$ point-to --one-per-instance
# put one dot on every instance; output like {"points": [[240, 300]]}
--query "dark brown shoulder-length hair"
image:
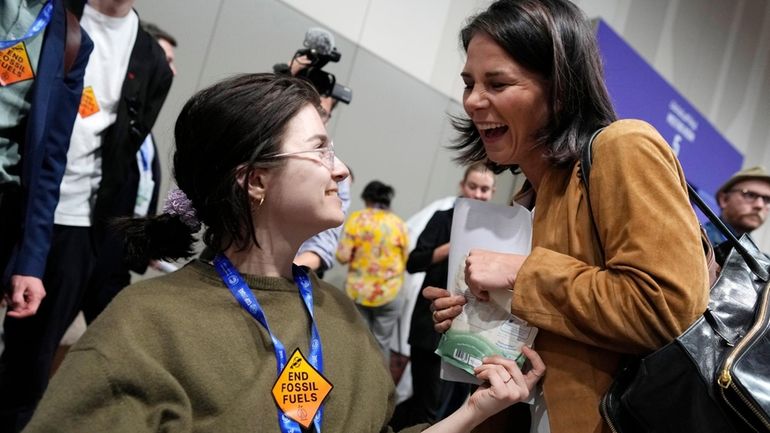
{"points": [[553, 39], [235, 125]]}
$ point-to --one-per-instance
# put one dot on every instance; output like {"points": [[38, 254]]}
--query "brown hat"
{"points": [[757, 172]]}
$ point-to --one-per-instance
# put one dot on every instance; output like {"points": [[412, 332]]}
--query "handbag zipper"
{"points": [[748, 404], [725, 380], [605, 415]]}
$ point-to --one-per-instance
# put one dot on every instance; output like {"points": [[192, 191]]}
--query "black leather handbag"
{"points": [[715, 377]]}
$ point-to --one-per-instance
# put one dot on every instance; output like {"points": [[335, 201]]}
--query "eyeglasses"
{"points": [[326, 155], [751, 196]]}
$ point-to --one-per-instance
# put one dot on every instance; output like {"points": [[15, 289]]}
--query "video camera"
{"points": [[319, 50]]}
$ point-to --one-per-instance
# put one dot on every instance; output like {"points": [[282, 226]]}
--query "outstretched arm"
{"points": [[504, 384]]}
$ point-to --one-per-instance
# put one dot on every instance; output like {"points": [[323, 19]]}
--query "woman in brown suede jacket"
{"points": [[534, 96]]}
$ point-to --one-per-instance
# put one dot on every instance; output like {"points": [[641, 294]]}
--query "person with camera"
{"points": [[317, 253]]}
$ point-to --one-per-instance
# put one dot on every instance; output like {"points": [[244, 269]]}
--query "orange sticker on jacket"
{"points": [[15, 65], [300, 390], [88, 103]]}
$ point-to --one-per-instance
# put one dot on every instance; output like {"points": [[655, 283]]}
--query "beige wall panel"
{"points": [[345, 17], [451, 57], [406, 33]]}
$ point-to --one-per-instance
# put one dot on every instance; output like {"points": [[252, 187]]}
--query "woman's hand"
{"points": [[504, 384], [487, 270], [445, 307]]}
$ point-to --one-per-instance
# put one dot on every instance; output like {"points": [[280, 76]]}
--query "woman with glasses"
{"points": [[245, 342]]}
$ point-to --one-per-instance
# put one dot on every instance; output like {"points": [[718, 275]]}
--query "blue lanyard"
{"points": [[238, 287], [42, 20], [143, 154]]}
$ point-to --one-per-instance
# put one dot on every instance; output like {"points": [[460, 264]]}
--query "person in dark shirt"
{"points": [[432, 397]]}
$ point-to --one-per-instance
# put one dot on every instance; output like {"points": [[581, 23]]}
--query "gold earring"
{"points": [[261, 200]]}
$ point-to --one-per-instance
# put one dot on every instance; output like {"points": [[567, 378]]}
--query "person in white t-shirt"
{"points": [[115, 275]]}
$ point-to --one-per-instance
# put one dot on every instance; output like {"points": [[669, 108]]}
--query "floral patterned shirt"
{"points": [[374, 245]]}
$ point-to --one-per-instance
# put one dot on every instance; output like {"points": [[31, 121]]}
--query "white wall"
{"points": [[716, 53]]}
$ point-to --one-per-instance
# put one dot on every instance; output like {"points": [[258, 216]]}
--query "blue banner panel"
{"points": [[638, 91]]}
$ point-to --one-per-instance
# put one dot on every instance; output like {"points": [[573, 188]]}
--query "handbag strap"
{"points": [[586, 160], [755, 267]]}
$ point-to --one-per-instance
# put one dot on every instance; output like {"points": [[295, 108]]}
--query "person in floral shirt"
{"points": [[374, 244]]}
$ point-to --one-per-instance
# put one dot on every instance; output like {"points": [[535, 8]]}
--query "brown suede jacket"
{"points": [[652, 285]]}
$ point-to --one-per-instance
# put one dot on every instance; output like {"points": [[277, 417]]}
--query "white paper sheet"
{"points": [[483, 327]]}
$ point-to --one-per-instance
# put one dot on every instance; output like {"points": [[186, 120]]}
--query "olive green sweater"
{"points": [[179, 354]]}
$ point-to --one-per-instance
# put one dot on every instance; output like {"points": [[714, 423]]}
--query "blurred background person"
{"points": [[743, 200], [317, 253], [433, 398], [113, 271], [399, 343], [165, 40], [373, 245], [148, 189]]}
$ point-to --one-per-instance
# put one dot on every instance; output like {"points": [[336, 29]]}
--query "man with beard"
{"points": [[744, 201]]}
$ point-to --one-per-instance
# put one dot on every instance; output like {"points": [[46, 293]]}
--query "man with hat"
{"points": [[744, 201]]}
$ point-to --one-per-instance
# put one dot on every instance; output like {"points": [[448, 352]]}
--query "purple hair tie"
{"points": [[178, 204]]}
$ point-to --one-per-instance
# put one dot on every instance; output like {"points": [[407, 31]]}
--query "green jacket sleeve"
{"points": [[85, 395]]}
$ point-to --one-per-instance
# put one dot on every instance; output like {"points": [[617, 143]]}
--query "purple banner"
{"points": [[638, 92]]}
